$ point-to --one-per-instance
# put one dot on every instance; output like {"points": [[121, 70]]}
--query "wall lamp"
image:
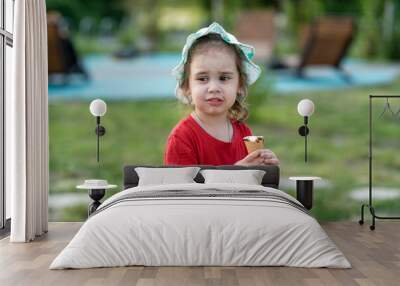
{"points": [[98, 108], [305, 109]]}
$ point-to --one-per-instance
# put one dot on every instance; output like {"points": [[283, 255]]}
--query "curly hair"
{"points": [[239, 110]]}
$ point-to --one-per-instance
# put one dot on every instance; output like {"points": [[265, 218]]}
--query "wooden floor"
{"points": [[374, 255]]}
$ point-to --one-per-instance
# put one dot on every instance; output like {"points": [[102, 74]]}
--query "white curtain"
{"points": [[27, 168]]}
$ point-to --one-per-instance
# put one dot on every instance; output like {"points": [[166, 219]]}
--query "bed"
{"points": [[201, 223]]}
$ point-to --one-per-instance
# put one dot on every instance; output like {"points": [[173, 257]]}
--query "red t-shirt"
{"points": [[189, 144]]}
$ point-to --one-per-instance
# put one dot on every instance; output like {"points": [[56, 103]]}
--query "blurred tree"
{"points": [[229, 9], [75, 10], [145, 15], [260, 4], [299, 13], [378, 22], [370, 28], [302, 12], [391, 29], [342, 7]]}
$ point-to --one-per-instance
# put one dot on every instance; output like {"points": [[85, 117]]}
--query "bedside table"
{"points": [[304, 190], [96, 190]]}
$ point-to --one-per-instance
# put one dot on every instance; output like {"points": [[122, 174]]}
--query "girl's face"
{"points": [[213, 81]]}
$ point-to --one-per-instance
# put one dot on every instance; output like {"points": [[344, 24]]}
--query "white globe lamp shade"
{"points": [[98, 107], [305, 107]]}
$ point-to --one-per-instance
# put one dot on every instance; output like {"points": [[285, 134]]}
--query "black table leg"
{"points": [[96, 195], [304, 192]]}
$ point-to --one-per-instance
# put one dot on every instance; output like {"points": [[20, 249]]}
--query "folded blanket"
{"points": [[205, 194]]}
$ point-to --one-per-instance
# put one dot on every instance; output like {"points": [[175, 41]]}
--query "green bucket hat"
{"points": [[251, 70]]}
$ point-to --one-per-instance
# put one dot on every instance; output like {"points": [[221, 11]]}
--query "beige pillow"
{"points": [[249, 177], [163, 176]]}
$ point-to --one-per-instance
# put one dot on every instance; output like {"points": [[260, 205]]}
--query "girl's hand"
{"points": [[259, 157]]}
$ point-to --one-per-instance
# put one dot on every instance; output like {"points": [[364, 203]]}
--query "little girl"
{"points": [[213, 77]]}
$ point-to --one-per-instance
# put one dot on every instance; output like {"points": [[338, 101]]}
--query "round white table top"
{"points": [[88, 187], [304, 178]]}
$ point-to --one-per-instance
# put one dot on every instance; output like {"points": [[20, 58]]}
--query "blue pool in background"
{"points": [[326, 78], [149, 76], [143, 77]]}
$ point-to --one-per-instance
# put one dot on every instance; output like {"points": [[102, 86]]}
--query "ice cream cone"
{"points": [[253, 143]]}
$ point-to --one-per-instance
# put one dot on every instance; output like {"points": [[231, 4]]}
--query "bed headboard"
{"points": [[270, 179]]}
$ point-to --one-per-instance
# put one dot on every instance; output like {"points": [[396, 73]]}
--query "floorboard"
{"points": [[374, 255]]}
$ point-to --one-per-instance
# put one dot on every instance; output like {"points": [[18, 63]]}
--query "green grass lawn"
{"points": [[338, 144]]}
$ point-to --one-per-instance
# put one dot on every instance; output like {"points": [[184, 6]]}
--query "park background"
{"points": [[137, 127]]}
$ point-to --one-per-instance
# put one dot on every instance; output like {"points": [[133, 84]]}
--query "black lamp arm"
{"points": [[100, 131], [304, 131]]}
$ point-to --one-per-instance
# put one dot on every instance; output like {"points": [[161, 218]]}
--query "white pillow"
{"points": [[249, 177], [163, 176]]}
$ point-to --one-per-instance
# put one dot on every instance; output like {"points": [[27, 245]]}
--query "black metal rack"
{"points": [[370, 203]]}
